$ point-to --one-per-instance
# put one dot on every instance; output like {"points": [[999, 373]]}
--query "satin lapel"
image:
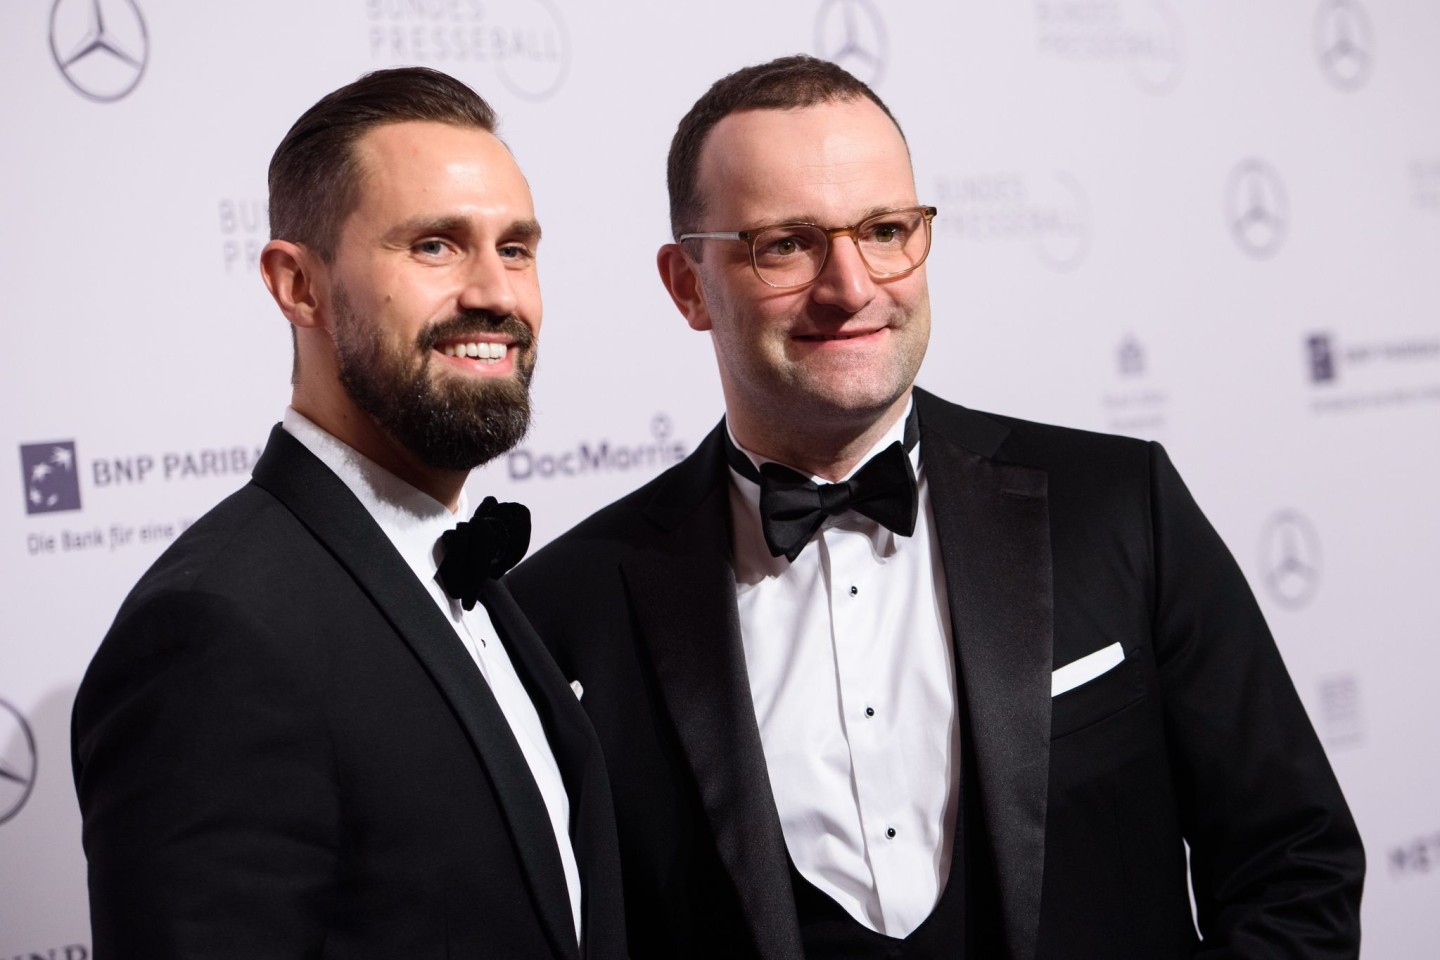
{"points": [[683, 596], [327, 508], [577, 750], [993, 525]]}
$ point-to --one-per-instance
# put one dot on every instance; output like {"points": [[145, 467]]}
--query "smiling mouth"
{"points": [[824, 337], [483, 350]]}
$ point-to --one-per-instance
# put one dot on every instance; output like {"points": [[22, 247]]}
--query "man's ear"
{"points": [[682, 280], [291, 274]]}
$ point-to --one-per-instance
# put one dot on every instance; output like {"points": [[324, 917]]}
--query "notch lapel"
{"points": [[992, 520], [323, 503], [683, 596]]}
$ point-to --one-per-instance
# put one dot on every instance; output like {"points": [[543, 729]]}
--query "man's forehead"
{"points": [[412, 141], [787, 157]]}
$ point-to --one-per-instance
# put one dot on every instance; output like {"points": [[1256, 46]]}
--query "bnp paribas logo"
{"points": [[51, 480]]}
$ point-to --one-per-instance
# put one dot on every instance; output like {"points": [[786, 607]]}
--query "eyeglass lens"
{"points": [[793, 254]]}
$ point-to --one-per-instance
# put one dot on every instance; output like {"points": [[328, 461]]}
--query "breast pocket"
{"points": [[1099, 692]]}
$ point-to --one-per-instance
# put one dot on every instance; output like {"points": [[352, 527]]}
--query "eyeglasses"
{"points": [[790, 255]]}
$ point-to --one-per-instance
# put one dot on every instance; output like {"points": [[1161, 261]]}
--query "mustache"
{"points": [[477, 321]]}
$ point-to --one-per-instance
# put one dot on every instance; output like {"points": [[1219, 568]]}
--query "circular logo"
{"points": [[536, 55], [1344, 43], [1290, 559], [1060, 220], [1255, 208], [851, 34], [1158, 41], [17, 761], [100, 46], [661, 427]]}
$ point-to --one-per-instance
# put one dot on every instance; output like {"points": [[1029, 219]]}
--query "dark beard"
{"points": [[448, 423]]}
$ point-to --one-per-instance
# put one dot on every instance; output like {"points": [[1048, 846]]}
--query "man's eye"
{"points": [[516, 251], [885, 233], [783, 245], [430, 248]]}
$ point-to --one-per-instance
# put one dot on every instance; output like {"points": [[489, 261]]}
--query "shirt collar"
{"points": [[412, 519], [896, 433]]}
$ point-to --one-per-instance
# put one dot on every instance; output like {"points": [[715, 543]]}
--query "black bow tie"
{"points": [[792, 506], [483, 548]]}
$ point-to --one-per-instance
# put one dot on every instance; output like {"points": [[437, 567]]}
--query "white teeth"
{"points": [[491, 352]]}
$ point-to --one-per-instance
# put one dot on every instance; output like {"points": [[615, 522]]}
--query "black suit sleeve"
{"points": [[206, 786], [1276, 860]]}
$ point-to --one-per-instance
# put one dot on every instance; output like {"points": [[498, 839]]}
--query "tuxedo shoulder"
{"points": [[246, 562], [1031, 443]]}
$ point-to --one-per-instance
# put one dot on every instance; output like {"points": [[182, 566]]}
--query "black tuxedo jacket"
{"points": [[282, 750], [1056, 543]]}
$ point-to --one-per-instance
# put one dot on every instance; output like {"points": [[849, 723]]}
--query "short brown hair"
{"points": [[314, 177], [784, 84]]}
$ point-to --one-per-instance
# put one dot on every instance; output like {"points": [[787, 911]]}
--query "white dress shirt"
{"points": [[414, 521], [852, 674]]}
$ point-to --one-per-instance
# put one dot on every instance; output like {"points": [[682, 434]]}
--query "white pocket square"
{"points": [[579, 690], [1085, 669]]}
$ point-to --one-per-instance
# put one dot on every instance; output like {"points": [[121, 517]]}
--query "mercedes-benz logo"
{"points": [[1255, 208], [851, 33], [1344, 43], [537, 59], [1290, 559], [100, 46], [17, 761]]}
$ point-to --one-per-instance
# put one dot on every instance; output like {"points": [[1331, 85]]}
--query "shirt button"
{"points": [[890, 832], [869, 711], [854, 591]]}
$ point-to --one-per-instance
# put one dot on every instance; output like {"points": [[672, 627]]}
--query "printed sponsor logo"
{"points": [[1353, 375], [1344, 43], [1256, 210], [1146, 36], [51, 477], [1048, 214], [851, 33], [524, 41], [1321, 350], [244, 230], [1290, 559], [18, 761], [602, 456], [52, 472], [1133, 406], [1341, 716], [1415, 858], [72, 951], [100, 46]]}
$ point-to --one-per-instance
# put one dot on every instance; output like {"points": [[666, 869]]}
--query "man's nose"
{"points": [[489, 285], [845, 282]]}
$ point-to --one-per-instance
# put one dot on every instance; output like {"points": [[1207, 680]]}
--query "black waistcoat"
{"points": [[965, 922], [829, 933]]}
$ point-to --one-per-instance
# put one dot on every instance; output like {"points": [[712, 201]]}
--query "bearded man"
{"points": [[319, 725]]}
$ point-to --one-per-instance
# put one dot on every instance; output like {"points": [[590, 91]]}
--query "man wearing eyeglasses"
{"points": [[881, 677]]}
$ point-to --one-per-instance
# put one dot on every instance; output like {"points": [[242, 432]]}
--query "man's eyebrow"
{"points": [[524, 229], [422, 225]]}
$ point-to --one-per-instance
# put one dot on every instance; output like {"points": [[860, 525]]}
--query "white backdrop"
{"points": [[1213, 224]]}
